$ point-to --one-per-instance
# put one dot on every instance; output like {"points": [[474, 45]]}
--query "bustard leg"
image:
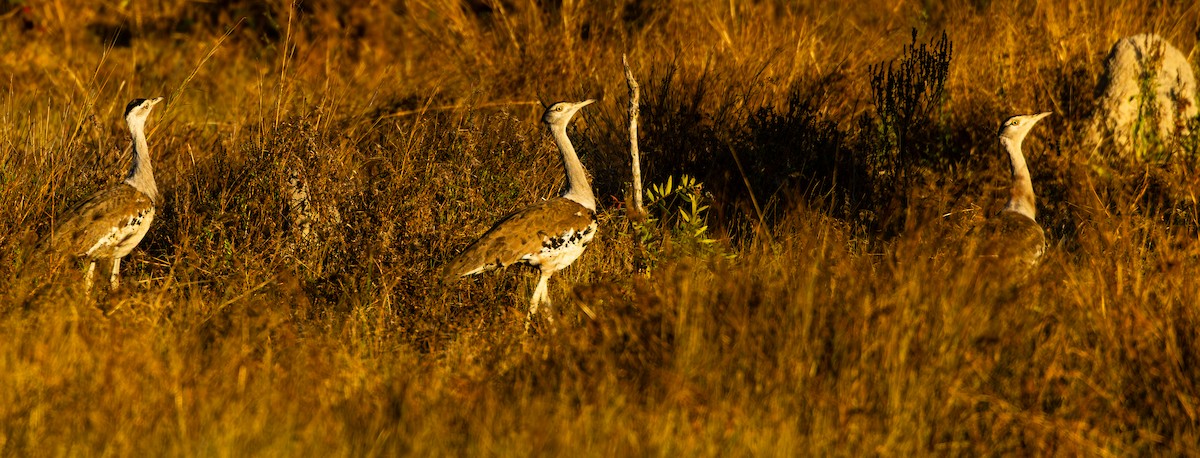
{"points": [[87, 277], [540, 296], [115, 279]]}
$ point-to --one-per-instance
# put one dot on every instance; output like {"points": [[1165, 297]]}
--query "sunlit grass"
{"points": [[414, 127]]}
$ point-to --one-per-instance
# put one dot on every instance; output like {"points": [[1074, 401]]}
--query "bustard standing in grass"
{"points": [[1015, 233], [549, 235], [110, 223]]}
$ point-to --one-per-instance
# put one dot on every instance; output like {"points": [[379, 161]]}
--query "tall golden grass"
{"points": [[413, 126]]}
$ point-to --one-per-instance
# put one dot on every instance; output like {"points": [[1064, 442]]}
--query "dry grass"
{"points": [[414, 127]]}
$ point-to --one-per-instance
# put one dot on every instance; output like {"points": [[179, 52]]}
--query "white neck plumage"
{"points": [[141, 172], [577, 189], [1021, 198]]}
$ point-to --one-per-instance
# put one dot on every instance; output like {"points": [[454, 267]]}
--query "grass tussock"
{"points": [[320, 161]]}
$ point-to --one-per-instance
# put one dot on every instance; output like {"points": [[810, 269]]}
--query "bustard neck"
{"points": [[141, 172], [1021, 199], [577, 188]]}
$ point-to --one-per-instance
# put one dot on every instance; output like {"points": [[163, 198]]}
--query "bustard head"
{"points": [[560, 113], [1015, 128], [137, 110]]}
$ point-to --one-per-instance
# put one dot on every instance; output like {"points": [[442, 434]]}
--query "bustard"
{"points": [[110, 223], [1014, 232], [548, 235]]}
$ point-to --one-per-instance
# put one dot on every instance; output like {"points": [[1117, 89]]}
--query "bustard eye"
{"points": [[559, 108]]}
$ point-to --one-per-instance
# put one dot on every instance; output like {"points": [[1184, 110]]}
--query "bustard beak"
{"points": [[155, 101], [584, 103], [1039, 116]]}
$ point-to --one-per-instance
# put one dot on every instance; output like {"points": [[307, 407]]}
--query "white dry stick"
{"points": [[633, 146]]}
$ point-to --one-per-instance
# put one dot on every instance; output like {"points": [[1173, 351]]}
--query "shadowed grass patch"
{"points": [[328, 158]]}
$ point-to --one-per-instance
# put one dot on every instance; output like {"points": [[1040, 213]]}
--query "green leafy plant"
{"points": [[1148, 145], [1189, 144], [676, 221]]}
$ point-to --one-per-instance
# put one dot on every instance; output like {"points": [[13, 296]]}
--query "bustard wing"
{"points": [[1011, 235], [103, 221], [520, 235]]}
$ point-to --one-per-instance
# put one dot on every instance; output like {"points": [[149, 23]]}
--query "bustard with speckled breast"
{"points": [[549, 235], [110, 223], [1014, 233]]}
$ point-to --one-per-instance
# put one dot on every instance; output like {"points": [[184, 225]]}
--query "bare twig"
{"points": [[456, 106], [182, 86], [288, 47], [762, 221], [633, 145]]}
